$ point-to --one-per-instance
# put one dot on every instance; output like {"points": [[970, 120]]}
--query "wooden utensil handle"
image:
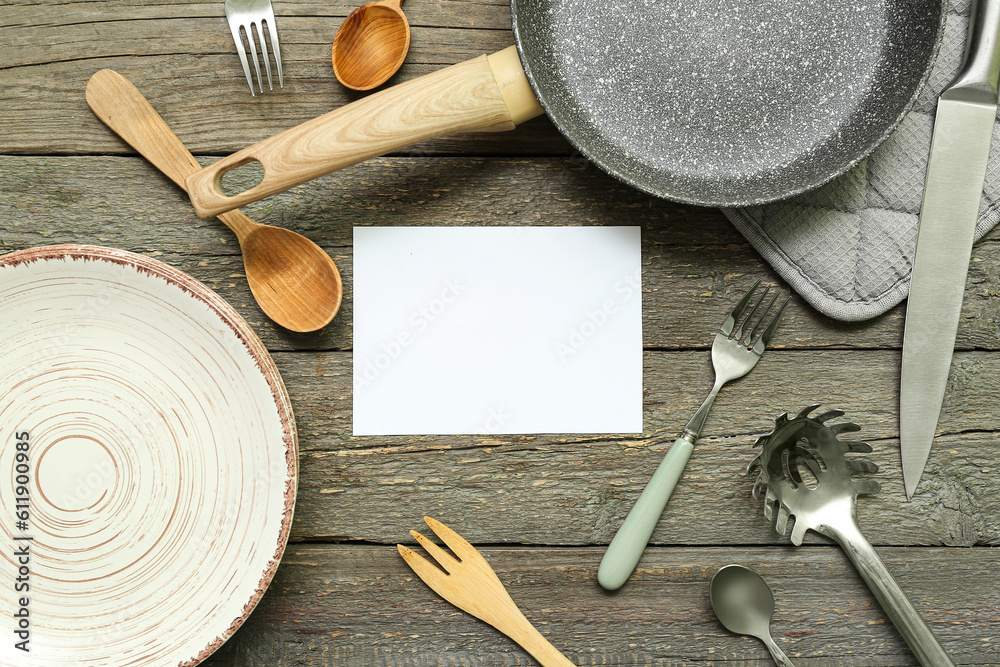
{"points": [[515, 625], [143, 129], [108, 92], [485, 94]]}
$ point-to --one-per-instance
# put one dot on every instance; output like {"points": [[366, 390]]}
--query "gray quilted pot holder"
{"points": [[847, 247]]}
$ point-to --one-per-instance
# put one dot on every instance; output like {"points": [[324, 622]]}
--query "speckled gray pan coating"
{"points": [[726, 102]]}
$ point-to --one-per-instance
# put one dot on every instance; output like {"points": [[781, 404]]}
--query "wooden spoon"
{"points": [[371, 44], [294, 281]]}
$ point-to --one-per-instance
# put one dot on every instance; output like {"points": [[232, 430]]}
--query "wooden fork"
{"points": [[471, 585]]}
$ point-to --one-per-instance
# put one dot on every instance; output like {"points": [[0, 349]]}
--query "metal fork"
{"points": [[248, 15], [469, 583], [737, 348]]}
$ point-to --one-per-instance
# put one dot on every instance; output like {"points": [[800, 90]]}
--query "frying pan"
{"points": [[706, 102]]}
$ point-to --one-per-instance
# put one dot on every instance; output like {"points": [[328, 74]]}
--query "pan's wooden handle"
{"points": [[485, 94]]}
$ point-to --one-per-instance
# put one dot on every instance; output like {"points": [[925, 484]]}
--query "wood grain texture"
{"points": [[370, 45], [694, 262], [471, 585], [293, 280], [540, 508], [181, 55], [357, 605], [464, 97], [590, 482]]}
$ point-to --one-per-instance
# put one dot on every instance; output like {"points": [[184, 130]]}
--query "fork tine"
{"points": [[263, 53], [272, 29], [246, 20], [765, 338], [737, 312], [443, 558], [455, 542], [428, 572], [762, 320], [741, 331], [235, 29], [253, 50]]}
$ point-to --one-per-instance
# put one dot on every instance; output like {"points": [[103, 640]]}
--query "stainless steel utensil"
{"points": [[744, 604], [247, 15], [736, 350], [803, 465], [953, 190]]}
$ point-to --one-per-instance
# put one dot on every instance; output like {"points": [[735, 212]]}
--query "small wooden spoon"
{"points": [[294, 281], [371, 44]]}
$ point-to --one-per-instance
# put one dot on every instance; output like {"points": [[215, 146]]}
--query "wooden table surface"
{"points": [[542, 508]]}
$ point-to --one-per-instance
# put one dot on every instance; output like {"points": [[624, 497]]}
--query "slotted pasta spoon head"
{"points": [[803, 467]]}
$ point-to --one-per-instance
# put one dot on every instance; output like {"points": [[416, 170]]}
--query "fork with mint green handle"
{"points": [[735, 352]]}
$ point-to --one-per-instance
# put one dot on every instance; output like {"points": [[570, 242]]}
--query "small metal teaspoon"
{"points": [[744, 604]]}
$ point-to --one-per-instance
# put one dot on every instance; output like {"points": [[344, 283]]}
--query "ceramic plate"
{"points": [[147, 466]]}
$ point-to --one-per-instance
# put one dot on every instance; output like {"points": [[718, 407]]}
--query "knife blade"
{"points": [[953, 189]]}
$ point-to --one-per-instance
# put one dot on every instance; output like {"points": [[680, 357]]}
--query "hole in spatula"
{"points": [[242, 177]]}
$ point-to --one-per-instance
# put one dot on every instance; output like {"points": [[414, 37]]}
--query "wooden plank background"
{"points": [[542, 507]]}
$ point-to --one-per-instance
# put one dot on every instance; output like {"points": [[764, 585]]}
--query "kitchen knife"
{"points": [[953, 189]]}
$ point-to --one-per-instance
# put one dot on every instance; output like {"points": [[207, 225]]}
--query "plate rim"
{"points": [[258, 352]]}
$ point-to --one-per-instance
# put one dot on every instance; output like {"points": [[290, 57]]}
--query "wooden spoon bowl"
{"points": [[294, 281], [371, 44], [304, 280]]}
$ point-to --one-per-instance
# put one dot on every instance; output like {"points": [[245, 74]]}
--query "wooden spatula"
{"points": [[471, 585]]}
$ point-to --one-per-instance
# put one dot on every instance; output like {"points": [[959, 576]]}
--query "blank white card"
{"points": [[497, 330]]}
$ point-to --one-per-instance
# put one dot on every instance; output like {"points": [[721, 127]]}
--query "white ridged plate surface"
{"points": [[162, 460]]}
